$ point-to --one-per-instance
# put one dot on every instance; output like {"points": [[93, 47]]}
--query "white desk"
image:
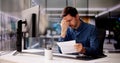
{"points": [[32, 58]]}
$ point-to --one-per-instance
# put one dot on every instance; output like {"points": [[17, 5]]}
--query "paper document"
{"points": [[67, 46]]}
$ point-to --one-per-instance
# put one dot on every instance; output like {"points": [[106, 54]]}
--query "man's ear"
{"points": [[77, 16]]}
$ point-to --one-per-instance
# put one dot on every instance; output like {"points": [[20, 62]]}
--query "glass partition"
{"points": [[10, 13]]}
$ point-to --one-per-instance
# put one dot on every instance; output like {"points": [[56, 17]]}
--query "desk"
{"points": [[32, 58]]}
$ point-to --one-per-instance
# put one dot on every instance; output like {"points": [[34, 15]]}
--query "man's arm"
{"points": [[64, 27], [94, 44], [64, 30]]}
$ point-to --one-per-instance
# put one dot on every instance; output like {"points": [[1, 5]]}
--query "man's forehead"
{"points": [[68, 17]]}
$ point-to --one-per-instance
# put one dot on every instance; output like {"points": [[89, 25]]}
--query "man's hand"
{"points": [[64, 26], [79, 48]]}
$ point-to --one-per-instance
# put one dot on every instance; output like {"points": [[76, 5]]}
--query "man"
{"points": [[73, 28]]}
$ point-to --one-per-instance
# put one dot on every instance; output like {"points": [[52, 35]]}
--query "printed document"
{"points": [[67, 46]]}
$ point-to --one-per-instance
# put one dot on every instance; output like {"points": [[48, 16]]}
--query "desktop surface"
{"points": [[26, 57]]}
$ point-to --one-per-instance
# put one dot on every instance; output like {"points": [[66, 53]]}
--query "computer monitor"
{"points": [[36, 20]]}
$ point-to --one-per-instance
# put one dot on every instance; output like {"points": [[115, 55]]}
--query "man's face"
{"points": [[72, 20]]}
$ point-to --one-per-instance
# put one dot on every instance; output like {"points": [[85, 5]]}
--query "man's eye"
{"points": [[69, 20]]}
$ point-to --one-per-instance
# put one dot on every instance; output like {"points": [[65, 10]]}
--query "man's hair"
{"points": [[69, 10]]}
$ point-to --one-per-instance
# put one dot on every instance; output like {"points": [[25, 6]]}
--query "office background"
{"points": [[104, 14]]}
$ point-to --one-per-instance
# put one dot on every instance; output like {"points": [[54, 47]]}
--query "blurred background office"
{"points": [[104, 14]]}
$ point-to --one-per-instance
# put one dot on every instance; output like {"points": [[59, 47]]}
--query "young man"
{"points": [[73, 28]]}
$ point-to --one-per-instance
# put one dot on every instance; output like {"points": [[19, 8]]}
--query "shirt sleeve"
{"points": [[67, 37], [94, 44]]}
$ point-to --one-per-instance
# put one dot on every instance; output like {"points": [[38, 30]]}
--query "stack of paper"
{"points": [[67, 46]]}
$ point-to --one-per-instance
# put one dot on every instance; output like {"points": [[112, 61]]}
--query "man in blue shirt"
{"points": [[73, 28]]}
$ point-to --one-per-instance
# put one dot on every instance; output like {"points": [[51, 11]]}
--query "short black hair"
{"points": [[69, 10]]}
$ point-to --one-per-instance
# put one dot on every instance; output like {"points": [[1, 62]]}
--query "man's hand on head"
{"points": [[64, 26], [79, 48]]}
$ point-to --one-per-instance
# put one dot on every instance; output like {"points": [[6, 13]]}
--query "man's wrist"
{"points": [[83, 50], [63, 35]]}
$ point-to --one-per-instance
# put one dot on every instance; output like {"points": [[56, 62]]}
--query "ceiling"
{"points": [[84, 7]]}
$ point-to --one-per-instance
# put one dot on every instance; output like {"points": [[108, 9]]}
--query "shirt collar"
{"points": [[80, 27]]}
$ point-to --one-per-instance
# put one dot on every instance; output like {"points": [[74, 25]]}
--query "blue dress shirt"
{"points": [[86, 35]]}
